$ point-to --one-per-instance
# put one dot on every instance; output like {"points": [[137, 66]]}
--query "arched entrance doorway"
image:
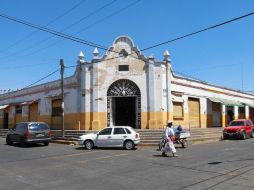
{"points": [[124, 104]]}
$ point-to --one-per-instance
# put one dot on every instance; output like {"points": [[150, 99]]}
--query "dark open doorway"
{"points": [[6, 121], [124, 104], [230, 114], [124, 111]]}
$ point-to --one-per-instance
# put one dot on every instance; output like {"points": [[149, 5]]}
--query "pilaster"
{"points": [[223, 115], [236, 112], [152, 120]]}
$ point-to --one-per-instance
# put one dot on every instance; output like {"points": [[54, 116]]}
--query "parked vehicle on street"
{"points": [[117, 136], [240, 128], [26, 133]]}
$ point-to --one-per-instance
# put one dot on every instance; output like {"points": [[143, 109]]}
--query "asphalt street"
{"points": [[221, 165]]}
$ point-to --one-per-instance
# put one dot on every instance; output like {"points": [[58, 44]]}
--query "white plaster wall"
{"points": [[203, 105], [158, 88], [43, 93], [108, 73], [204, 93]]}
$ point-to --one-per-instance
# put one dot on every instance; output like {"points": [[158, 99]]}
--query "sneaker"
{"points": [[175, 155]]}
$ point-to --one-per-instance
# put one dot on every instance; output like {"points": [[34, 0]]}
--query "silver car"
{"points": [[26, 133], [118, 136]]}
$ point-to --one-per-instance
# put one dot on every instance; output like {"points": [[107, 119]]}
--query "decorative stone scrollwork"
{"points": [[123, 87]]}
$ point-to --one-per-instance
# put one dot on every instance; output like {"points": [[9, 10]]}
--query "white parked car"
{"points": [[117, 136]]}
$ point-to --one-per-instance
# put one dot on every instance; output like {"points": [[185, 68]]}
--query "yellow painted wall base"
{"points": [[152, 124], [86, 121], [203, 120], [154, 120], [209, 120], [224, 120], [96, 125]]}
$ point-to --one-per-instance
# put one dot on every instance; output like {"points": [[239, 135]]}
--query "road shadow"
{"points": [[32, 145], [105, 148], [167, 156]]}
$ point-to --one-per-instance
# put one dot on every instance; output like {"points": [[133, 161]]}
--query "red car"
{"points": [[240, 128]]}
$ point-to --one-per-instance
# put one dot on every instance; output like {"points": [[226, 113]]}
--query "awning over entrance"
{"points": [[250, 105], [3, 106], [28, 102], [227, 102], [24, 103]]}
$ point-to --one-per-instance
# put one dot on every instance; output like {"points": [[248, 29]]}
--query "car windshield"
{"points": [[236, 123], [38, 127]]}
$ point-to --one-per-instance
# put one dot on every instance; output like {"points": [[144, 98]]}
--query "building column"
{"points": [[247, 112], [223, 115], [152, 120], [203, 112], [186, 111], [236, 112], [95, 104], [168, 85], [80, 77]]}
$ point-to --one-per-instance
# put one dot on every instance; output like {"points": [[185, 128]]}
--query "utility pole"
{"points": [[62, 94]]}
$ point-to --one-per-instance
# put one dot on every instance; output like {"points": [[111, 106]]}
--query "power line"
{"points": [[50, 22], [89, 15], [199, 31], [193, 33], [93, 44], [41, 79], [73, 24], [109, 16], [73, 38], [44, 29], [91, 25], [70, 37]]}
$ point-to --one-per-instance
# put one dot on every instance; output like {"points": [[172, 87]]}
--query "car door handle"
{"points": [[109, 137], [124, 136]]}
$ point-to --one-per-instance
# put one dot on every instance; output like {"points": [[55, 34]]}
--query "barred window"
{"points": [[18, 109], [242, 110], [56, 107]]}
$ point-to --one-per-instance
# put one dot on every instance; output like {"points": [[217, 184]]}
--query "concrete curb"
{"points": [[75, 143], [67, 142]]}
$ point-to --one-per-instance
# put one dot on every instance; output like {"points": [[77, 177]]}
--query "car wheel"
{"points": [[23, 143], [252, 134], [46, 143], [89, 144], [225, 137], [244, 136], [184, 143], [8, 140], [128, 145]]}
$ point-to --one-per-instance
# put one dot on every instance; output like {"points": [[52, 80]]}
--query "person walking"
{"points": [[169, 135]]}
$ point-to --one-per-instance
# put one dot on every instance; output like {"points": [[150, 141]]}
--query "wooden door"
{"points": [[194, 112], [33, 112], [216, 107]]}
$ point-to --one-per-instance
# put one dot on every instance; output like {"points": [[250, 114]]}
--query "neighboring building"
{"points": [[124, 87]]}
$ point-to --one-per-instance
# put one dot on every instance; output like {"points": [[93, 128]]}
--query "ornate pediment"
{"points": [[123, 46]]}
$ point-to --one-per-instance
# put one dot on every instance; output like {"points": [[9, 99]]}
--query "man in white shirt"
{"points": [[169, 135]]}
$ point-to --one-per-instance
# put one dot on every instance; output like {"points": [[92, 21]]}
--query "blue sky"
{"points": [[222, 56]]}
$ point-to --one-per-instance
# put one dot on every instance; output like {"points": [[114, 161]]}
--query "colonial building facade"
{"points": [[124, 87]]}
